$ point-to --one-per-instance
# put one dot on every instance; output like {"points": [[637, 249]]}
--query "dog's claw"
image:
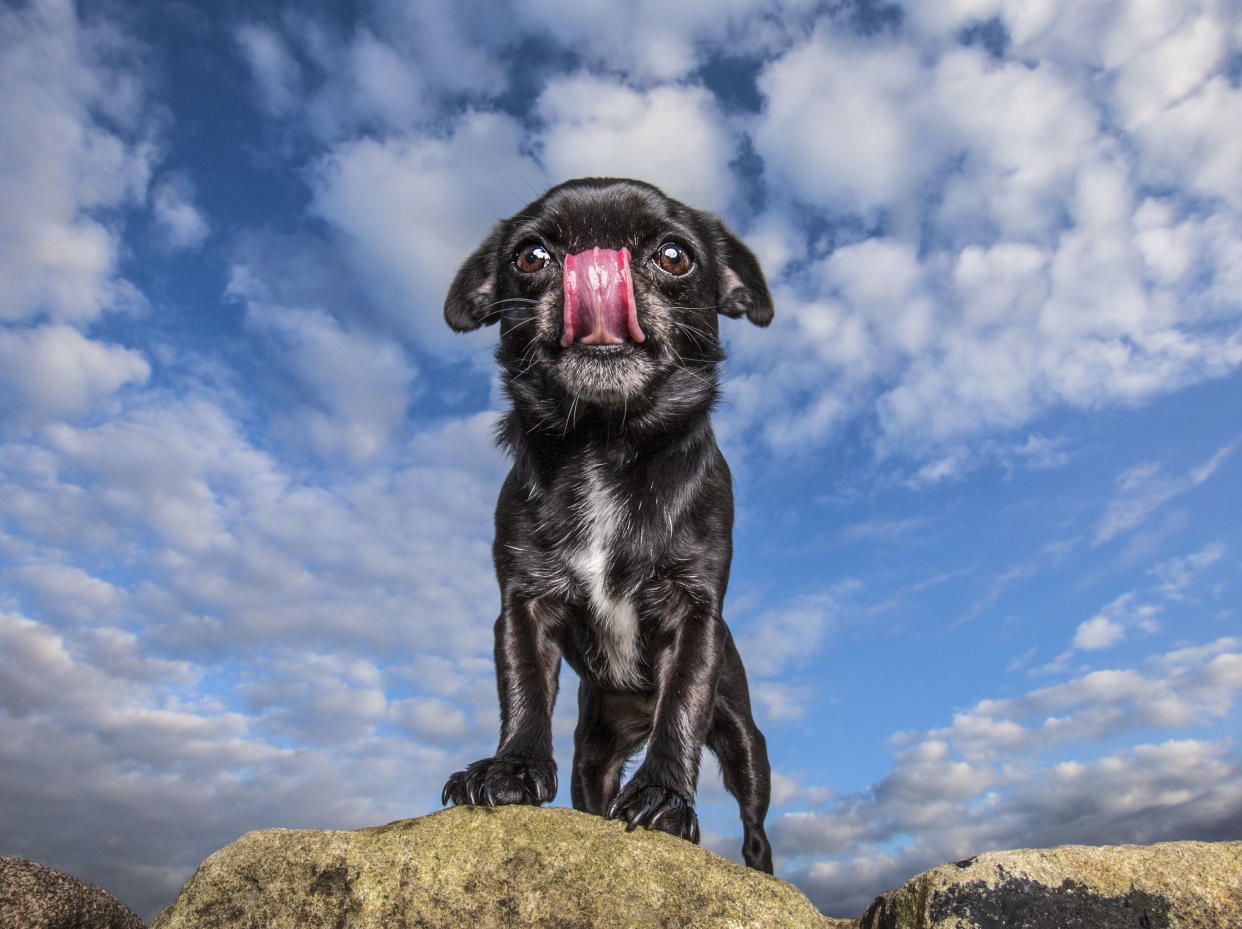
{"points": [[450, 790], [502, 781], [655, 806]]}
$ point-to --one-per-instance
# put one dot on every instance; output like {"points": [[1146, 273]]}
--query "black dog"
{"points": [[614, 528]]}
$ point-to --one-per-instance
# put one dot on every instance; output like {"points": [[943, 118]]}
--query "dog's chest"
{"points": [[603, 518]]}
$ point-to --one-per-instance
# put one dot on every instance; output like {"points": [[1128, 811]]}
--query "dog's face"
{"points": [[607, 291]]}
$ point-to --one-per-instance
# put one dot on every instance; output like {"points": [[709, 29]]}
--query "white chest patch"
{"points": [[616, 619]]}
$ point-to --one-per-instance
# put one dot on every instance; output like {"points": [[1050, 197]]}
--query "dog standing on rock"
{"points": [[614, 527]]}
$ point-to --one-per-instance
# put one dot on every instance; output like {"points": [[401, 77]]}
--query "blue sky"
{"points": [[987, 460]]}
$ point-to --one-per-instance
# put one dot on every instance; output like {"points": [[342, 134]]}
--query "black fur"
{"points": [[613, 529]]}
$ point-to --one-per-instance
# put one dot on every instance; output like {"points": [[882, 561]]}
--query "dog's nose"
{"points": [[599, 298]]}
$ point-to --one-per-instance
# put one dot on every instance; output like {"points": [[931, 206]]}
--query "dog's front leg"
{"points": [[660, 795], [528, 663]]}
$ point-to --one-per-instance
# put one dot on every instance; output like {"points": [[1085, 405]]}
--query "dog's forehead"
{"points": [[608, 216]]}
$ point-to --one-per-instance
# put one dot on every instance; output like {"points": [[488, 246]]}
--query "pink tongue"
{"points": [[599, 298]]}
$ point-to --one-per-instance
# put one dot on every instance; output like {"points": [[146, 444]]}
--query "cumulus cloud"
{"points": [[350, 389], [390, 72], [1111, 625], [1151, 793], [159, 757], [53, 371], [65, 169], [595, 126], [412, 208], [243, 548], [988, 780], [154, 546], [836, 126], [649, 42], [991, 252]]}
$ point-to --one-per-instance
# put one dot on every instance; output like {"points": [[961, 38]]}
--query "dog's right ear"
{"points": [[471, 301]]}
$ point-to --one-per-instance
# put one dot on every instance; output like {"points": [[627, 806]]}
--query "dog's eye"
{"points": [[531, 258], [672, 258]]}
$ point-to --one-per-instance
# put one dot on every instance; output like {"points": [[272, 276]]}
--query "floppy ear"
{"points": [[472, 297], [743, 289]]}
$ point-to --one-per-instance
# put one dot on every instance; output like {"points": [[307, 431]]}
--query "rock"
{"points": [[1175, 885], [35, 897], [479, 868]]}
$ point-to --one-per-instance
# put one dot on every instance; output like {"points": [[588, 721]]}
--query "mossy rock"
{"points": [[479, 868], [1172, 885]]}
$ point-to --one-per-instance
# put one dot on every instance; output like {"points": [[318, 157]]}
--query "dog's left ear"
{"points": [[743, 288], [471, 300]]}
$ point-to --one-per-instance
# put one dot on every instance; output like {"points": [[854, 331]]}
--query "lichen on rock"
{"points": [[33, 896], [480, 868], [1173, 885]]}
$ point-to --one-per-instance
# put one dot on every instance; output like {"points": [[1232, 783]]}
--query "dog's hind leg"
{"points": [[738, 744], [611, 728]]}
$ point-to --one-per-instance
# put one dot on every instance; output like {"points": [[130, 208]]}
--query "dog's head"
{"points": [[607, 294]]}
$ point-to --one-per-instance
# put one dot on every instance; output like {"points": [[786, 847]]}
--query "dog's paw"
{"points": [[644, 803], [502, 780]]}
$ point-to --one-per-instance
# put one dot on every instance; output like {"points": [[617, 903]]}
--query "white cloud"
{"points": [[64, 593], [653, 41], [432, 718], [1099, 704], [236, 633], [394, 71], [985, 782], [387, 81], [65, 169], [777, 639], [413, 208], [54, 371], [180, 223], [883, 530], [1176, 574], [1191, 136], [317, 699], [1145, 488], [777, 702], [596, 126], [840, 126], [1023, 134], [230, 542], [1112, 624], [1013, 267], [1156, 74], [1098, 632], [352, 388], [161, 750], [273, 66]]}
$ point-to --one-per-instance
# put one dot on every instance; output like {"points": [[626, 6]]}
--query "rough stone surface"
{"points": [[506, 868], [35, 897], [1175, 885]]}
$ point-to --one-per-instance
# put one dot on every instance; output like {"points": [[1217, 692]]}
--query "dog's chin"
{"points": [[604, 375]]}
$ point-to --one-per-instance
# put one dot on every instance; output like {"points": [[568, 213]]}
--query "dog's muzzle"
{"points": [[599, 298]]}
